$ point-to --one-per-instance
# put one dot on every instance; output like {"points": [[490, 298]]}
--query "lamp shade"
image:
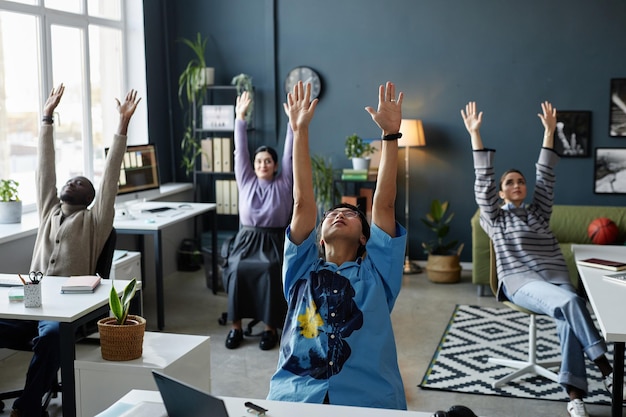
{"points": [[412, 133]]}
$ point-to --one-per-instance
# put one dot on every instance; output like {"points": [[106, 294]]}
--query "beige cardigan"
{"points": [[72, 247]]}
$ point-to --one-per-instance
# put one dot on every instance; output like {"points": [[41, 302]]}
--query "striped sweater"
{"points": [[526, 249]]}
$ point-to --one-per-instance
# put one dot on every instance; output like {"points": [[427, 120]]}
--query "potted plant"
{"points": [[10, 203], [121, 336], [243, 82], [323, 183], [359, 151], [192, 84], [443, 264]]}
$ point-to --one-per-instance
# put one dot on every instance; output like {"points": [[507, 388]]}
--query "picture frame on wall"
{"points": [[617, 110], [609, 171], [572, 137]]}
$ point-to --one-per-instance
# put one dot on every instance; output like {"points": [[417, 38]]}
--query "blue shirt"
{"points": [[338, 338]]}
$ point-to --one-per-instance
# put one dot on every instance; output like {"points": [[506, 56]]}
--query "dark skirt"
{"points": [[253, 276]]}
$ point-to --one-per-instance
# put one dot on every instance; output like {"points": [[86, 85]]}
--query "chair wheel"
{"points": [[223, 319], [1, 406]]}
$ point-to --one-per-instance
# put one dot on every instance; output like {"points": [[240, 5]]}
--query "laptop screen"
{"points": [[183, 400]]}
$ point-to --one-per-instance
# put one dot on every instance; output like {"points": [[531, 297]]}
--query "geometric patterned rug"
{"points": [[476, 333]]}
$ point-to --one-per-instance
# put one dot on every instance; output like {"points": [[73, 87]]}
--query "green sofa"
{"points": [[569, 224]]}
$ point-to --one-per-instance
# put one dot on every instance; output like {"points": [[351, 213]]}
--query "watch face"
{"points": [[306, 75]]}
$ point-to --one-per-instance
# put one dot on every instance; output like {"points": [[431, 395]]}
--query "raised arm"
{"points": [[388, 117], [301, 109], [472, 122], [548, 119], [126, 110]]}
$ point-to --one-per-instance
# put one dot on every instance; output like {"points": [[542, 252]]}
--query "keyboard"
{"points": [[10, 281]]}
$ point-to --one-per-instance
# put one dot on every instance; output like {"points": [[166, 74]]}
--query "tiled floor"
{"points": [[419, 317]]}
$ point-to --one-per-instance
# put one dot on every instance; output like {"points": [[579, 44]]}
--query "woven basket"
{"points": [[121, 342]]}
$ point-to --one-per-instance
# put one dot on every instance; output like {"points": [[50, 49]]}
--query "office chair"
{"points": [[531, 365], [103, 268]]}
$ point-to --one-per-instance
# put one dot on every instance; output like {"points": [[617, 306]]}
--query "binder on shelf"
{"points": [[206, 146], [227, 155], [217, 155], [234, 197], [219, 197], [226, 196]]}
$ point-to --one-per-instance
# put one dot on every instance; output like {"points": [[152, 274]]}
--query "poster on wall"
{"points": [[572, 137], [617, 112], [610, 171]]}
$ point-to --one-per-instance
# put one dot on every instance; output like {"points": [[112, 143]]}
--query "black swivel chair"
{"points": [[103, 268]]}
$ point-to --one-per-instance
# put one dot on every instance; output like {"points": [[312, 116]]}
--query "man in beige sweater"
{"points": [[69, 241]]}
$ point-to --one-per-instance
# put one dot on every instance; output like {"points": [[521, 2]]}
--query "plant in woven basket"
{"points": [[121, 336], [120, 305]]}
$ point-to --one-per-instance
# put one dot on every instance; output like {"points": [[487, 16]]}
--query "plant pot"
{"points": [[360, 163], [121, 342], [206, 77], [443, 268], [10, 212]]}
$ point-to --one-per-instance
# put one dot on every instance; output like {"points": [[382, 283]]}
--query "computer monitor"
{"points": [[139, 174]]}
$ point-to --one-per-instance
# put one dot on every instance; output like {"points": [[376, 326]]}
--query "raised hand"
{"points": [[388, 116], [53, 100], [126, 110], [471, 119], [299, 106], [548, 118], [242, 104]]}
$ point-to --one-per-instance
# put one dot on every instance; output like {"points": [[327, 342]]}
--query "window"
{"points": [[83, 44]]}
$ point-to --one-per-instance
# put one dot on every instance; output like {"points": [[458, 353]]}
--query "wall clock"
{"points": [[306, 75]]}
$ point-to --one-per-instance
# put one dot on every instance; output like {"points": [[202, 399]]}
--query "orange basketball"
{"points": [[603, 231]]}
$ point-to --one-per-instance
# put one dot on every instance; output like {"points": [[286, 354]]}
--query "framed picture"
{"points": [[610, 171], [617, 111], [572, 137]]}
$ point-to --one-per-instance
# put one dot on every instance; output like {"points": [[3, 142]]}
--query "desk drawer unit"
{"points": [[100, 383]]}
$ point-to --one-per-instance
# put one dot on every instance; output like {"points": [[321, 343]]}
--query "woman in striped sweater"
{"points": [[531, 269]]}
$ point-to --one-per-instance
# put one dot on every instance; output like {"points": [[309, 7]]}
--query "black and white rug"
{"points": [[476, 333]]}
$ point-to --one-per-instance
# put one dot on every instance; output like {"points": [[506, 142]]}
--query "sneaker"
{"points": [[608, 384], [576, 408]]}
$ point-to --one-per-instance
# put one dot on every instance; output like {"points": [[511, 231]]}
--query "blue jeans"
{"points": [[577, 332], [43, 368]]}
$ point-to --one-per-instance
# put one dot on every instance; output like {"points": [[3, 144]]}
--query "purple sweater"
{"points": [[263, 203]]}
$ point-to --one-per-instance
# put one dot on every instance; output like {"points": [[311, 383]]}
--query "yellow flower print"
{"points": [[310, 321]]}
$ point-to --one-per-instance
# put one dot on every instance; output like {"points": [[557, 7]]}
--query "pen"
{"points": [[21, 279]]}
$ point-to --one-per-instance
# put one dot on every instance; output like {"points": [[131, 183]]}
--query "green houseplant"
{"points": [[243, 82], [121, 336], [10, 203], [192, 84], [359, 151], [443, 264], [323, 183]]}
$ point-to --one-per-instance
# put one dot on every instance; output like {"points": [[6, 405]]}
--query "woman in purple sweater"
{"points": [[252, 276]]}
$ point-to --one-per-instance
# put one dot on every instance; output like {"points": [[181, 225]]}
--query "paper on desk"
{"points": [[141, 409]]}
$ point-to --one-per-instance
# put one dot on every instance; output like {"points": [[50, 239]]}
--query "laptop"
{"points": [[183, 400]]}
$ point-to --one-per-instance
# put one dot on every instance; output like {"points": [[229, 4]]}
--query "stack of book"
{"points": [[349, 174]]}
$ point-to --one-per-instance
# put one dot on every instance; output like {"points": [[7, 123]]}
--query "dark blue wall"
{"points": [[507, 56]]}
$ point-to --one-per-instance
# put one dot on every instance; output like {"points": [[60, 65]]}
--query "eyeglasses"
{"points": [[348, 214]]}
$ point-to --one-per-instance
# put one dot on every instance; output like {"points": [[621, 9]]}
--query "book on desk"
{"points": [[602, 264], [80, 284]]}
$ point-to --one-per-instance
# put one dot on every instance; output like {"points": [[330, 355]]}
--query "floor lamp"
{"points": [[412, 136]]}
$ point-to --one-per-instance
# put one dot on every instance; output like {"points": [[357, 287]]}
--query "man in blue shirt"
{"points": [[338, 345]]}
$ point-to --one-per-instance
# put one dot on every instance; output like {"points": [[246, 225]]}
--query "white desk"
{"points": [[607, 301], [72, 311], [235, 408], [142, 224]]}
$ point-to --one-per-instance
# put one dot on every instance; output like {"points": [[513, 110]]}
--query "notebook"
{"points": [[183, 400], [80, 284]]}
